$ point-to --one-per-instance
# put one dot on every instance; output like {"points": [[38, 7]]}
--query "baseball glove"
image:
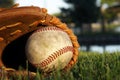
{"points": [[16, 25]]}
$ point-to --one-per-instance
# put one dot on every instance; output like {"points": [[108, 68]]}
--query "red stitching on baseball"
{"points": [[53, 56], [48, 29]]}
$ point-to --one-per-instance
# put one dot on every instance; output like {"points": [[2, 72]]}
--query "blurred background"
{"points": [[95, 22]]}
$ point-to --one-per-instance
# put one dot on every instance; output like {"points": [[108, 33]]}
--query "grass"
{"points": [[93, 66], [90, 66]]}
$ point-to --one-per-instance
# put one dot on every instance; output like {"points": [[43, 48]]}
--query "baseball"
{"points": [[49, 48]]}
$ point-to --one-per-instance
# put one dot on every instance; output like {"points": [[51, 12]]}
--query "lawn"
{"points": [[90, 66]]}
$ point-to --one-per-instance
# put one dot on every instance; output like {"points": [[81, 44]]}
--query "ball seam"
{"points": [[48, 29], [53, 56]]}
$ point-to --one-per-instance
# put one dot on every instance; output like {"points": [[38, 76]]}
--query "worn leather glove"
{"points": [[16, 25]]}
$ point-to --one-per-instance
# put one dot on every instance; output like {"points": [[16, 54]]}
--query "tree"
{"points": [[109, 2], [81, 11], [6, 3], [109, 14]]}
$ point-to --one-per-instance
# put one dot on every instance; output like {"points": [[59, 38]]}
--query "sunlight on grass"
{"points": [[90, 66]]}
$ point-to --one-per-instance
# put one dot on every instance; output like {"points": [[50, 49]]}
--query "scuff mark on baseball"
{"points": [[49, 48]]}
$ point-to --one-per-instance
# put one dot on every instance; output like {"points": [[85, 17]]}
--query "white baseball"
{"points": [[49, 48]]}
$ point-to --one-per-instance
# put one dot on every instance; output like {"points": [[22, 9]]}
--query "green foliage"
{"points": [[81, 11], [6, 3], [110, 14], [109, 2]]}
